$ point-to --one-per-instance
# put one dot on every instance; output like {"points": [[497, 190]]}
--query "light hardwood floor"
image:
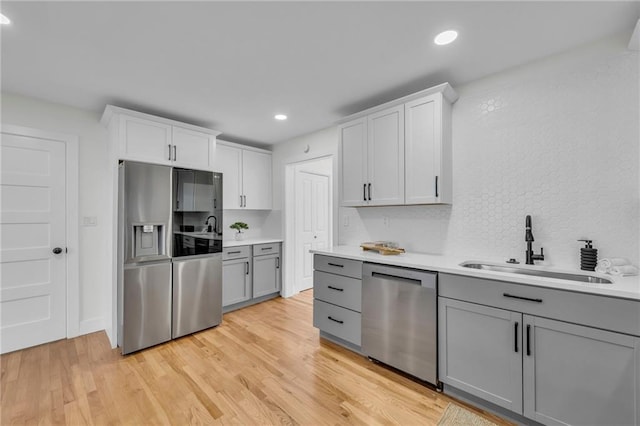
{"points": [[264, 365]]}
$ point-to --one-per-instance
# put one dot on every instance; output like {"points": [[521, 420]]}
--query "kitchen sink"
{"points": [[531, 271]]}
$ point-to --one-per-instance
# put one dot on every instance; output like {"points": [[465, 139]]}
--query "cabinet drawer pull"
{"points": [[335, 264], [335, 320], [234, 252], [528, 340], [175, 158], [369, 192], [436, 186], [266, 248], [169, 152], [335, 288], [364, 192], [278, 262], [246, 268], [522, 298], [515, 339]]}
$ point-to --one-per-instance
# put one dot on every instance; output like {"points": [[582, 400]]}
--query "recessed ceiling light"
{"points": [[4, 20], [445, 37], [280, 117]]}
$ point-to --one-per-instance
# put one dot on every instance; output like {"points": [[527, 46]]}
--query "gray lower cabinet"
{"points": [[580, 375], [266, 275], [481, 351], [337, 305], [250, 274], [236, 281], [551, 371]]}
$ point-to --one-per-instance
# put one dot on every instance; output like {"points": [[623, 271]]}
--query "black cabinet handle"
{"points": [[335, 288], [364, 192], [175, 157], [266, 248], [528, 340], [335, 264], [335, 320], [436, 186], [169, 152], [234, 252], [246, 268], [511, 296], [515, 339], [369, 192], [278, 262]]}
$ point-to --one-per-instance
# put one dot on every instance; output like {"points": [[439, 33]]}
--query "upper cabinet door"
{"points": [[386, 157], [353, 163], [427, 152], [228, 161], [256, 180], [145, 140], [192, 149]]}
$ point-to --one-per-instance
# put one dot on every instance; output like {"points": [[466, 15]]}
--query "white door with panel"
{"points": [[33, 242], [312, 223]]}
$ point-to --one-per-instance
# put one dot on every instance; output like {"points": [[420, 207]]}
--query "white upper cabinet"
{"points": [[400, 152], [428, 150], [353, 163], [385, 155], [142, 137], [246, 176]]}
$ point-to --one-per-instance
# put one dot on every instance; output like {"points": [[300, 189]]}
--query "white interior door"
{"points": [[312, 223], [32, 224]]}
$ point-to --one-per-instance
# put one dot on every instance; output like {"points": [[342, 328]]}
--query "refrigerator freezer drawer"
{"points": [[147, 306], [197, 294]]}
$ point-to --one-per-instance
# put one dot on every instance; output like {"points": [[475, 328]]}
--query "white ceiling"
{"points": [[231, 66]]}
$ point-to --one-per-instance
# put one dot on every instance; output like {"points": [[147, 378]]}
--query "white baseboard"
{"points": [[91, 325]]}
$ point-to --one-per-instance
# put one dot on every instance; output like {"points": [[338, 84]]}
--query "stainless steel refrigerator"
{"points": [[169, 254]]}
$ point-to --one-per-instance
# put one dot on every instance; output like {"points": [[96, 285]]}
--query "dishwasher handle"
{"points": [[424, 279]]}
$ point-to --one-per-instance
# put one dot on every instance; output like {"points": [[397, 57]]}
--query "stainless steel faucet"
{"points": [[528, 237]]}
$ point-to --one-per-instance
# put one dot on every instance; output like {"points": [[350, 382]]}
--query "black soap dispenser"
{"points": [[588, 256]]}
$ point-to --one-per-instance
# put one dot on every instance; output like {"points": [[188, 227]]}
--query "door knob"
{"points": [[57, 250], [315, 236]]}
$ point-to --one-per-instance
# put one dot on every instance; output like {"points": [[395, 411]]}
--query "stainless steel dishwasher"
{"points": [[399, 319]]}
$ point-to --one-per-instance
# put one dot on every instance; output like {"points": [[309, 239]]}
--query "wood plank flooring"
{"points": [[264, 365]]}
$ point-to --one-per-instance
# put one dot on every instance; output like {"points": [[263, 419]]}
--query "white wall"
{"points": [[320, 144], [34, 113], [557, 139]]}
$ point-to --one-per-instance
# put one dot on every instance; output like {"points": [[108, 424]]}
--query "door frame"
{"points": [[72, 284], [288, 279]]}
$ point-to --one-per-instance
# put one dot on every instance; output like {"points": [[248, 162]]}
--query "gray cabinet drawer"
{"points": [[236, 252], [337, 321], [620, 315], [339, 290], [337, 265], [263, 249]]}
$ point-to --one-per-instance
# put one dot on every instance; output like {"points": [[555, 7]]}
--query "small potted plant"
{"points": [[239, 226]]}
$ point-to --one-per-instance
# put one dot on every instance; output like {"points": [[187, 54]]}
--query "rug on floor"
{"points": [[454, 415]]}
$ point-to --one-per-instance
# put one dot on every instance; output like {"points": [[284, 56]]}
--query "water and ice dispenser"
{"points": [[148, 240]]}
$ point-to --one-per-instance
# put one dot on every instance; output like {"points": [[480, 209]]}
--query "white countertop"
{"points": [[250, 242], [622, 287]]}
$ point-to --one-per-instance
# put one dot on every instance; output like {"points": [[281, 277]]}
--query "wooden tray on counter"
{"points": [[381, 249]]}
